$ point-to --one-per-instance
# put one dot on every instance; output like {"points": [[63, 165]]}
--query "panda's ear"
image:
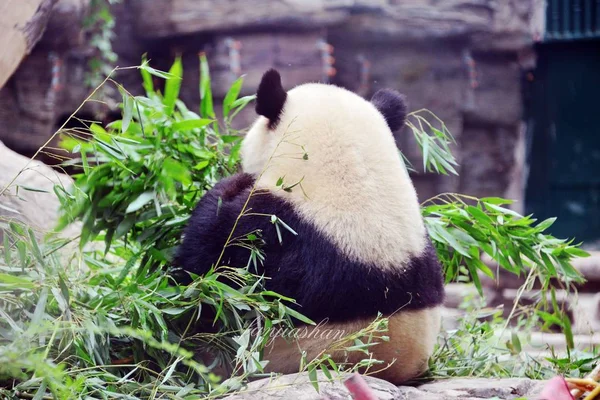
{"points": [[270, 97], [393, 107]]}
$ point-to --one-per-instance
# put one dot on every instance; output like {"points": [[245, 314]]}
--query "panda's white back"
{"points": [[354, 186]]}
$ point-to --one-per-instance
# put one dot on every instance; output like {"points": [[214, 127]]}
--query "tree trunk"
{"points": [[22, 23]]}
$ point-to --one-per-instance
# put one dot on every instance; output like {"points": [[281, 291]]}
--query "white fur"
{"points": [[412, 337], [354, 185]]}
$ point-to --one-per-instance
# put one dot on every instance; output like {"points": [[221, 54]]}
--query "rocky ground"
{"points": [[299, 387]]}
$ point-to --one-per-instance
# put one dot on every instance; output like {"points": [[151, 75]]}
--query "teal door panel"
{"points": [[563, 115]]}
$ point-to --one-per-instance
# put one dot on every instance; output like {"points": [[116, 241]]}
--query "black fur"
{"points": [[270, 97], [393, 107], [307, 267]]}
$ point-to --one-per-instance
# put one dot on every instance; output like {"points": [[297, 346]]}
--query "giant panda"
{"points": [[359, 245]]}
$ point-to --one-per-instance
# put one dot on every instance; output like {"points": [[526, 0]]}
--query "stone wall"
{"points": [[463, 60]]}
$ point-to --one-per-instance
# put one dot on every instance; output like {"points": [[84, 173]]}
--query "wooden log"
{"points": [[22, 23]]}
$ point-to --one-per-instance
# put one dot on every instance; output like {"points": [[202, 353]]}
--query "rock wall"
{"points": [[48, 84], [463, 60]]}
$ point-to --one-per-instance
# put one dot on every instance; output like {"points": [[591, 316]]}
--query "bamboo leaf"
{"points": [[14, 281], [190, 124], [140, 202], [232, 95], [128, 103], [172, 86], [206, 100]]}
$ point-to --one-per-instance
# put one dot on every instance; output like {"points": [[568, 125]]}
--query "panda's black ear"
{"points": [[393, 107], [270, 97]]}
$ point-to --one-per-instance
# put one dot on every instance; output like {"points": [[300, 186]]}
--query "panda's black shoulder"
{"points": [[229, 188], [211, 222]]}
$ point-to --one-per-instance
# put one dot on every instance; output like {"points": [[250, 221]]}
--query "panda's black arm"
{"points": [[210, 226]]}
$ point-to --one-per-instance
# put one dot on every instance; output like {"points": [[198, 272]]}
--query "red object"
{"points": [[359, 389], [556, 389]]}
